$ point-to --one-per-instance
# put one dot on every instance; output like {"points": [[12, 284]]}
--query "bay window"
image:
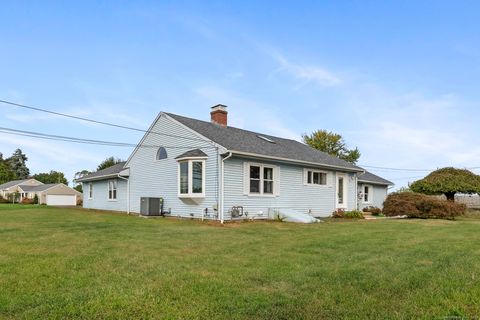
{"points": [[191, 178]]}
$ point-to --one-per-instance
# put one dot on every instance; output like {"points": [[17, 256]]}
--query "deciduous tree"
{"points": [[448, 181], [333, 144]]}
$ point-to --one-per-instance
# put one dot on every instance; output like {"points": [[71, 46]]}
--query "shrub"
{"points": [[341, 213], [375, 211], [35, 199], [26, 201], [3, 200], [354, 214], [79, 202], [415, 205]]}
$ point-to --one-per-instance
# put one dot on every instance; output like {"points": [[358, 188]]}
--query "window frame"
{"points": [[157, 156], [275, 180], [370, 194], [90, 190], [112, 186], [306, 174], [190, 193]]}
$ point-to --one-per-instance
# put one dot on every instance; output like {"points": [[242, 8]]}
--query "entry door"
{"points": [[342, 188]]}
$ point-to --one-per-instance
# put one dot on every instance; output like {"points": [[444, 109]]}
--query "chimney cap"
{"points": [[221, 107]]}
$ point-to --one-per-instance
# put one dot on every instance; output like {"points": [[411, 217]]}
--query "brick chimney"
{"points": [[219, 115]]}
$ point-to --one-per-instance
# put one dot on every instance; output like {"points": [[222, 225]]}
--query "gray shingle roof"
{"points": [[107, 172], [240, 140], [7, 185], [38, 188], [370, 177], [192, 153]]}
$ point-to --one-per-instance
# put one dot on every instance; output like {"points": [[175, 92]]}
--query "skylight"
{"points": [[266, 139]]}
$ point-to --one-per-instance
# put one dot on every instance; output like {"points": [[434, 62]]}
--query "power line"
{"points": [[411, 170], [96, 121], [396, 169], [45, 136]]}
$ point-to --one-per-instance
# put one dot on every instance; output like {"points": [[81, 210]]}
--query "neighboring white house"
{"points": [[56, 194], [211, 170], [372, 190]]}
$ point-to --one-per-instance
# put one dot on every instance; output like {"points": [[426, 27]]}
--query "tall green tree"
{"points": [[80, 174], [448, 181], [6, 173], [18, 164], [110, 161], [51, 177], [331, 143]]}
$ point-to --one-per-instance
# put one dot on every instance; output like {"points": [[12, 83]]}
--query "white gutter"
{"points": [[222, 185], [128, 191]]}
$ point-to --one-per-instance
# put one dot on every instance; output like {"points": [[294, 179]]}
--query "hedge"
{"points": [[416, 205]]}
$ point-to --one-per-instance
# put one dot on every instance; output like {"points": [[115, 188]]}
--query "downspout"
{"points": [[222, 185], [128, 192]]}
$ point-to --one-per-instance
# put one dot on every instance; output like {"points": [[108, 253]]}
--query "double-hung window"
{"points": [[314, 177], [112, 189], [191, 178], [261, 179]]}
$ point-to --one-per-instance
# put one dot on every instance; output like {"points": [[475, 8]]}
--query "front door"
{"points": [[342, 191]]}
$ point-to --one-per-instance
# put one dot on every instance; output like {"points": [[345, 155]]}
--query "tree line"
{"points": [[15, 168]]}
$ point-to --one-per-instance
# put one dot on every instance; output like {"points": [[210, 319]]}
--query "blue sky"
{"points": [[398, 79]]}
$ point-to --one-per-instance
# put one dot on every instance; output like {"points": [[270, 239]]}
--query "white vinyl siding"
{"points": [[150, 177], [99, 199], [378, 195], [318, 200]]}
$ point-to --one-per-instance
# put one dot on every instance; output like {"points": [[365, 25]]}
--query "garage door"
{"points": [[61, 200]]}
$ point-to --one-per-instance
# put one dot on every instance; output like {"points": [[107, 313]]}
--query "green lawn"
{"points": [[71, 263]]}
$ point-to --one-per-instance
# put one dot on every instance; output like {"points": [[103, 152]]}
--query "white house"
{"points": [[211, 170], [54, 194]]}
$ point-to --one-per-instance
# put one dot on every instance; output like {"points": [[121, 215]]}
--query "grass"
{"points": [[72, 263]]}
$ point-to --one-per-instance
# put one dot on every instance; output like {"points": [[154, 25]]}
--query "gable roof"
{"points": [[38, 188], [192, 153], [109, 172], [372, 178], [44, 187], [13, 183], [252, 143]]}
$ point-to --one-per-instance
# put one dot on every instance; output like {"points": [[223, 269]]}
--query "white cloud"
{"points": [[302, 73]]}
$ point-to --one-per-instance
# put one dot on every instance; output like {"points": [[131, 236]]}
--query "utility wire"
{"points": [[96, 121], [45, 136], [148, 131]]}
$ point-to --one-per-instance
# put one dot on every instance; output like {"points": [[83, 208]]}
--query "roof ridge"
{"points": [[232, 127]]}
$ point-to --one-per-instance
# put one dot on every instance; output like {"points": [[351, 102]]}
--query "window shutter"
{"points": [[276, 184], [305, 172], [246, 178]]}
